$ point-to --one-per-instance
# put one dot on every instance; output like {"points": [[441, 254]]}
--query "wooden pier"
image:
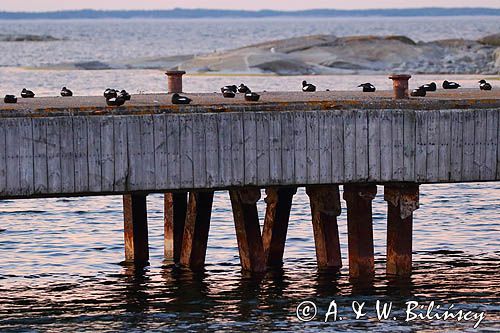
{"points": [[52, 147]]}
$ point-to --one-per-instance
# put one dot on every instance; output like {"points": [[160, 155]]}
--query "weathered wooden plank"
{"points": [[498, 147], [300, 145], [433, 146], [275, 148], [312, 152], [468, 150], [263, 172], [250, 143], [492, 130], [337, 147], [80, 144], [397, 145], [147, 152], [186, 145], [54, 156], [349, 146], [409, 145], [225, 166], [457, 119], [135, 175], [160, 149], [479, 143], [237, 149], [374, 144], [107, 155], [39, 155], [3, 157], [173, 152], [67, 155], [212, 149], [120, 143], [94, 153], [386, 146], [325, 147], [287, 148], [361, 151], [421, 145], [199, 159], [26, 171], [444, 168]]}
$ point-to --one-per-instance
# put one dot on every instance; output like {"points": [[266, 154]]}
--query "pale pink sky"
{"points": [[51, 5]]}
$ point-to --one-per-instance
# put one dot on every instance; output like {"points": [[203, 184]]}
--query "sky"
{"points": [[52, 5]]}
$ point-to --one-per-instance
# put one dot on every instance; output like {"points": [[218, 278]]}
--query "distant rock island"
{"points": [[328, 54], [26, 38], [217, 13]]}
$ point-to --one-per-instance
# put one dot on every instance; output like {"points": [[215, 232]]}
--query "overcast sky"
{"points": [[50, 5]]}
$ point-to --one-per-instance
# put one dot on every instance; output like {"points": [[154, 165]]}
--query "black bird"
{"points": [[65, 92], [367, 87], [419, 92], [10, 99], [243, 89], [115, 101], [450, 85], [308, 87], [178, 99], [110, 93], [228, 93], [125, 95], [27, 93], [252, 97], [429, 86], [483, 85], [232, 88]]}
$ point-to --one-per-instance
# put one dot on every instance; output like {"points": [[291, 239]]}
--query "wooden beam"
{"points": [[279, 203], [359, 199], [195, 236], [175, 205], [246, 221], [402, 201], [325, 207], [135, 229]]}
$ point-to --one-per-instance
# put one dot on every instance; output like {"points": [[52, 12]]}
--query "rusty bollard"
{"points": [[175, 81], [400, 85]]}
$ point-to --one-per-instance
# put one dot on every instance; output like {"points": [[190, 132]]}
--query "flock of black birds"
{"points": [[114, 97]]}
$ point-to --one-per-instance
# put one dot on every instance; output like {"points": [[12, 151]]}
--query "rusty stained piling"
{"points": [[400, 85], [246, 222], [279, 204], [402, 201], [325, 208], [135, 229], [175, 216], [359, 199]]}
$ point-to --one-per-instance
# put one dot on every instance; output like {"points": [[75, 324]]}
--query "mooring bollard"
{"points": [[174, 81], [400, 85]]}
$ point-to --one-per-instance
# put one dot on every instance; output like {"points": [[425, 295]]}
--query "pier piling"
{"points": [[359, 199], [175, 205], [325, 207], [136, 229], [246, 221], [279, 203], [197, 225], [402, 201]]}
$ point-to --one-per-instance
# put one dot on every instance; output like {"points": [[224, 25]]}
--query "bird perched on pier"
{"points": [[367, 87], [483, 85], [178, 99], [419, 92], [115, 101], [228, 94], [308, 87], [65, 92], [429, 86], [125, 95], [10, 99], [243, 89], [27, 93], [110, 93], [450, 85], [232, 88], [252, 97]]}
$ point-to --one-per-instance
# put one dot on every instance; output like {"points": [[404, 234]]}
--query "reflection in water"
{"points": [[58, 269]]}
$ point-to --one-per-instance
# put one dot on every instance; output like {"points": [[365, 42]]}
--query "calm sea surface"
{"points": [[60, 258]]}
